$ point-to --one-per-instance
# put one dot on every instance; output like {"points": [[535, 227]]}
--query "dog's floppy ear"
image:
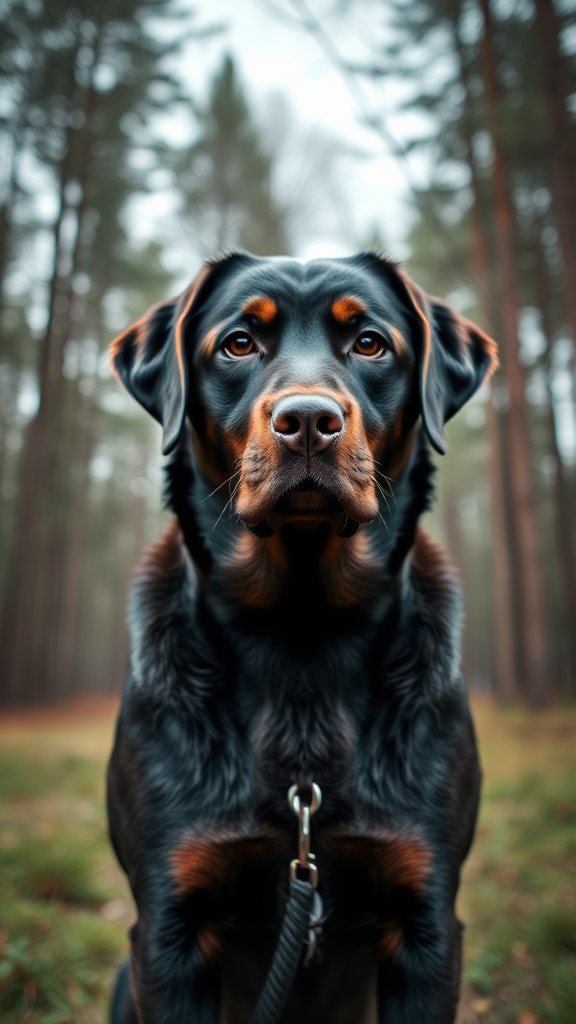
{"points": [[151, 360], [454, 358]]}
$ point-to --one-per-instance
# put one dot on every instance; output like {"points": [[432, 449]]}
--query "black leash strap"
{"points": [[288, 952], [302, 915]]}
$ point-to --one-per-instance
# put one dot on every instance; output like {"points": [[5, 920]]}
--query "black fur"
{"points": [[353, 678]]}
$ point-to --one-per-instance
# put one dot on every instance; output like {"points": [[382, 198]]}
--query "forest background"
{"points": [[136, 138], [119, 174]]}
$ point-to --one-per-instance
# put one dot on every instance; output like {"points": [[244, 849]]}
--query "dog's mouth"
{"points": [[305, 505], [308, 498]]}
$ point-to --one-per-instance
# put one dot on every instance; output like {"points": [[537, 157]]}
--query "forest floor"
{"points": [[65, 907]]}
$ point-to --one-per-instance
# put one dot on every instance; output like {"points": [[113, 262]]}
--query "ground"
{"points": [[65, 907]]}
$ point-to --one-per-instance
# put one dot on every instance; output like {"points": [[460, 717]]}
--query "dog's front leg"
{"points": [[422, 985], [170, 979]]}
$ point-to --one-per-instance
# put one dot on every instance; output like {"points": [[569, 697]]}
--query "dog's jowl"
{"points": [[295, 625]]}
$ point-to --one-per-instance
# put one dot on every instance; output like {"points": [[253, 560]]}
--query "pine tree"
{"points": [[95, 67], [225, 177]]}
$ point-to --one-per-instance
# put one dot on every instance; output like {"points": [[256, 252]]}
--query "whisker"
{"points": [[232, 496], [230, 499], [388, 478], [382, 492], [390, 493], [219, 486], [385, 478]]}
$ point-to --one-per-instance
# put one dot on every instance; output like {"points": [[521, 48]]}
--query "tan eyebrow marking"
{"points": [[262, 307], [347, 307]]}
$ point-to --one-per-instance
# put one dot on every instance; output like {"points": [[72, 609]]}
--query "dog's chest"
{"points": [[305, 718]]}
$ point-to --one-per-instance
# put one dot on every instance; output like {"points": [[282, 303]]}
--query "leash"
{"points": [[303, 913]]}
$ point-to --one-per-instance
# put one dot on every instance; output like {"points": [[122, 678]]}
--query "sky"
{"points": [[273, 58]]}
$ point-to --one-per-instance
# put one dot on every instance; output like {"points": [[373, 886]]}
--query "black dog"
{"points": [[296, 622]]}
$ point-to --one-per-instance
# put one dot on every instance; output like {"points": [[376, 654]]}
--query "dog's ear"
{"points": [[454, 358], [151, 359]]}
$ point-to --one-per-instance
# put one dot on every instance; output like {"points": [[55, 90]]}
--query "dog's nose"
{"points": [[307, 422]]}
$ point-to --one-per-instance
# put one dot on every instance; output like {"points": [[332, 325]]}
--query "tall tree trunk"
{"points": [[534, 626], [65, 654], [54, 485], [562, 510], [56, 466], [561, 147], [505, 666], [18, 611]]}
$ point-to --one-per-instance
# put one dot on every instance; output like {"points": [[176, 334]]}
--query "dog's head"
{"points": [[302, 382]]}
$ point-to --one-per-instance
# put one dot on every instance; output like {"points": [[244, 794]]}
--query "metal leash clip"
{"points": [[304, 802]]}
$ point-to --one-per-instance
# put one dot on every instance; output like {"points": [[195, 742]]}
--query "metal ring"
{"points": [[294, 799]]}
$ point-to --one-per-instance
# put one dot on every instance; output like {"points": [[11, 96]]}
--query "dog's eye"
{"points": [[370, 344], [239, 345]]}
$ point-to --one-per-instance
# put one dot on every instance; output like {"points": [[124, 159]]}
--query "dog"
{"points": [[296, 622]]}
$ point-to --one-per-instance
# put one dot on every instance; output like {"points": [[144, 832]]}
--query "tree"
{"points": [[486, 100], [225, 177], [534, 631], [561, 138], [95, 69]]}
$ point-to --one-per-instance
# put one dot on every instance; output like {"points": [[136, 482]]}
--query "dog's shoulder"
{"points": [[427, 644], [167, 642]]}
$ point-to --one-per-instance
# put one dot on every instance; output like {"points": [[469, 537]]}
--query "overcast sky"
{"points": [[273, 58]]}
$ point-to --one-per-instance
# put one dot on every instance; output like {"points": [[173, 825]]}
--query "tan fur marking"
{"points": [[345, 308], [430, 559], [400, 346], [466, 328], [393, 859], [262, 307], [209, 862], [142, 326], [140, 329], [255, 570], [262, 457], [181, 322], [390, 943], [211, 944], [207, 346], [350, 570], [164, 557], [208, 456], [488, 344], [416, 296]]}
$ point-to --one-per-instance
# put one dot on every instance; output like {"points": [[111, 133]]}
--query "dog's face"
{"points": [[302, 382]]}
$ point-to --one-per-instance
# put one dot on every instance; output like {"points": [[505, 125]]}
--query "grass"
{"points": [[519, 887], [65, 907]]}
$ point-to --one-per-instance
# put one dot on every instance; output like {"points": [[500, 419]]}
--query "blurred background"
{"points": [[137, 138]]}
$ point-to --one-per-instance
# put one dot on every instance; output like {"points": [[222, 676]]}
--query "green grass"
{"points": [[519, 892], [59, 884], [65, 907]]}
